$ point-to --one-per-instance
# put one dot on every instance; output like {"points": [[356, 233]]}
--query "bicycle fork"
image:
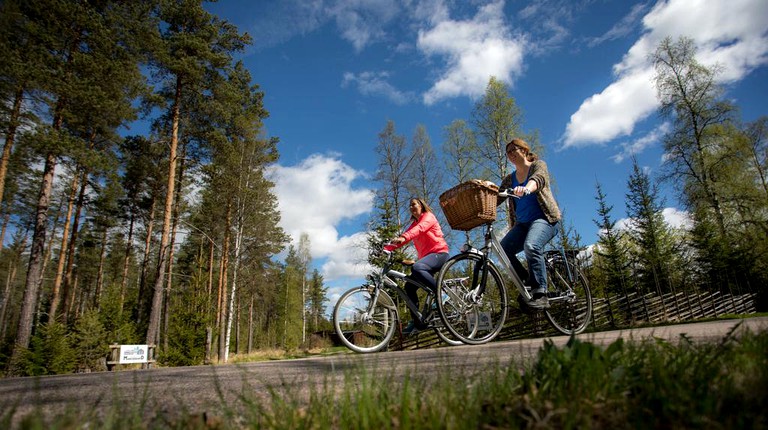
{"points": [[479, 277]]}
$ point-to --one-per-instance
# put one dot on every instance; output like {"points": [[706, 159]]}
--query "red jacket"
{"points": [[426, 234]]}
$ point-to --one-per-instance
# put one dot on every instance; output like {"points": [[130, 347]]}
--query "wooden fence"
{"points": [[610, 313]]}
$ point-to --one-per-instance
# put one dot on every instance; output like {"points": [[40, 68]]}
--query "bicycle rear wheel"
{"points": [[570, 301], [360, 330], [470, 318]]}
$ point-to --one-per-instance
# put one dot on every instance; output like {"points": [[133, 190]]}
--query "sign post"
{"points": [[133, 354]]}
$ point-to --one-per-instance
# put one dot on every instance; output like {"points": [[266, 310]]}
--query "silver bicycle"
{"points": [[473, 291], [365, 318]]}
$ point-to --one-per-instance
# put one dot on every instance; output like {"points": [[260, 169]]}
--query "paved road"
{"points": [[204, 388]]}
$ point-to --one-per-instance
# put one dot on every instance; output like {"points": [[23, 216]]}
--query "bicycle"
{"points": [[365, 318], [473, 283]]}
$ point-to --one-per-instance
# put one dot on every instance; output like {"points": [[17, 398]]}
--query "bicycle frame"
{"points": [[492, 246], [385, 279]]}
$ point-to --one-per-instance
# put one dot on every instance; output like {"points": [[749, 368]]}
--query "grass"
{"points": [[625, 385]]}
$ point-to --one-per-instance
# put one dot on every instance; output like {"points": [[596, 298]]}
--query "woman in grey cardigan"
{"points": [[534, 217]]}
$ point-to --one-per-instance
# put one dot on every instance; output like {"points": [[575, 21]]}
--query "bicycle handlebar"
{"points": [[508, 193]]}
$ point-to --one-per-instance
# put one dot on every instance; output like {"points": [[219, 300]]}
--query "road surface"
{"points": [[198, 389]]}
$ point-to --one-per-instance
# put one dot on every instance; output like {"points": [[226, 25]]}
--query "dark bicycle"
{"points": [[365, 318]]}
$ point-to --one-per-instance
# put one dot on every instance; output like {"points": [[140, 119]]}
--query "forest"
{"points": [[127, 239]]}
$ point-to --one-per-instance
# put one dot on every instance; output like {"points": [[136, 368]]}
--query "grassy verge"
{"points": [[653, 384]]}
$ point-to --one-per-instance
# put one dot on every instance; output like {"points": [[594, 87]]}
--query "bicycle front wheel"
{"points": [[471, 312], [570, 301], [360, 326]]}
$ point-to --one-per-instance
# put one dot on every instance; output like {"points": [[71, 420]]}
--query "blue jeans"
{"points": [[530, 237], [423, 271]]}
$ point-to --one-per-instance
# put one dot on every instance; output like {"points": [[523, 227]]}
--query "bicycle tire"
{"points": [[472, 322], [571, 304], [359, 331], [437, 325]]}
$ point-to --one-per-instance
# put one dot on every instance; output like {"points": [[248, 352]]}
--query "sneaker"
{"points": [[539, 301]]}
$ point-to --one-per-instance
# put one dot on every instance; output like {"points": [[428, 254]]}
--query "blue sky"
{"points": [[335, 71]]}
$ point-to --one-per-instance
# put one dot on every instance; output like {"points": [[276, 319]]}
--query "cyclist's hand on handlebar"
{"points": [[520, 191], [515, 192]]}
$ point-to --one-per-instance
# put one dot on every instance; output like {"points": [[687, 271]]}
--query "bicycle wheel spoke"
{"points": [[571, 302], [471, 319], [359, 329]]}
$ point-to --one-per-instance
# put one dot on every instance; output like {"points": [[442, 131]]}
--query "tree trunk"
{"points": [[46, 259], [174, 226], [56, 293], [235, 269], [157, 296], [100, 276], [10, 138], [4, 228], [210, 276], [249, 348], [68, 290], [34, 270], [145, 262], [222, 318], [10, 279], [126, 264]]}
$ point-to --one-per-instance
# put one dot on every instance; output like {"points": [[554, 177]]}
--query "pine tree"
{"points": [[318, 298], [191, 42], [650, 233], [612, 256]]}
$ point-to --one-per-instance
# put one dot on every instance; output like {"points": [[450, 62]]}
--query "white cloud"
{"points": [[475, 50], [614, 112], [729, 33], [638, 145], [375, 83], [677, 218], [674, 217], [350, 258], [361, 21], [314, 197], [623, 27]]}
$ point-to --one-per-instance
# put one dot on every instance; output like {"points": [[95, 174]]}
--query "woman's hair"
{"points": [[424, 206], [520, 143]]}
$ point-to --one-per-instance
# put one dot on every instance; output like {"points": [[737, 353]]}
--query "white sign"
{"points": [[133, 354], [485, 321]]}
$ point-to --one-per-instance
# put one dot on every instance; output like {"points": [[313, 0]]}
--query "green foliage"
{"points": [[187, 331], [497, 119], [654, 255], [90, 341], [51, 351]]}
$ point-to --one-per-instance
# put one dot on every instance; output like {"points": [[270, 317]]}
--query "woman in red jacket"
{"points": [[431, 248]]}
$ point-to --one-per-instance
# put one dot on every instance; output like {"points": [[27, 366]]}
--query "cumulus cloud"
{"points": [[730, 33], [375, 84], [474, 50], [314, 197]]}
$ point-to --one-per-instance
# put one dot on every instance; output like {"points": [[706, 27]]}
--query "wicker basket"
{"points": [[470, 204]]}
